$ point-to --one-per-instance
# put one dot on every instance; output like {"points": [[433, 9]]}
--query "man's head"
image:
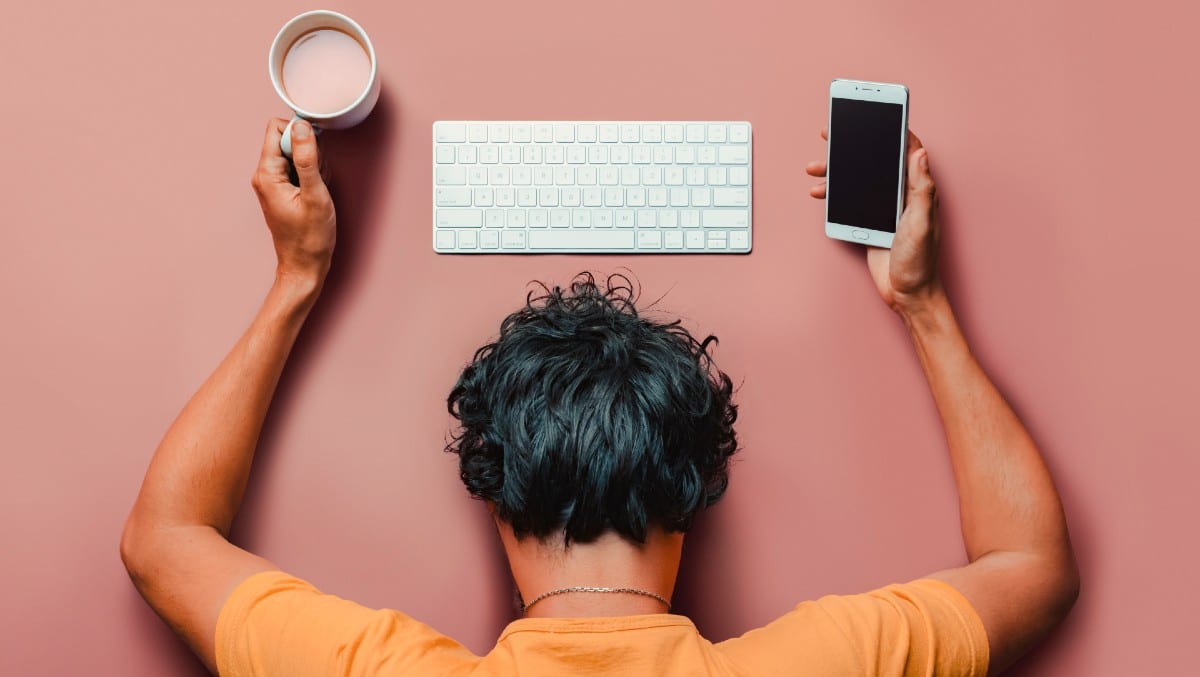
{"points": [[585, 417]]}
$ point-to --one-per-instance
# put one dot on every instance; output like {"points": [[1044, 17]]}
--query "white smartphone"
{"points": [[868, 143]]}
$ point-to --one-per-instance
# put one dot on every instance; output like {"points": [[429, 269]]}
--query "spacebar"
{"points": [[581, 239]]}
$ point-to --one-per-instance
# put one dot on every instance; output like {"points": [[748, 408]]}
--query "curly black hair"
{"points": [[585, 417]]}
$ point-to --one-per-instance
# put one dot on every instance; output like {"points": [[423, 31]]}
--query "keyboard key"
{"points": [[701, 197], [445, 239], [564, 133], [467, 155], [560, 218], [609, 133], [706, 155], [512, 239], [576, 155], [717, 176], [586, 133], [477, 133], [498, 133], [646, 218], [739, 176], [651, 176], [716, 133], [679, 197], [673, 176], [444, 154], [695, 133], [453, 197], [668, 218], [571, 196], [521, 133], [733, 155], [447, 132], [635, 197], [739, 239], [614, 197], [555, 155], [716, 240], [484, 197], [581, 218], [531, 155], [522, 176], [526, 197], [506, 197], [630, 176], [623, 218], [592, 197], [602, 218], [685, 155], [695, 239], [477, 176], [673, 239], [656, 197], [649, 239], [725, 218], [583, 239], [538, 218], [619, 155], [493, 218], [498, 176], [489, 154], [739, 133], [548, 197], [640, 155], [597, 155], [516, 218], [543, 132], [663, 155], [467, 239], [450, 176], [689, 218], [629, 133], [459, 218], [673, 133], [731, 197], [543, 176], [510, 155], [489, 239], [695, 176], [651, 133]]}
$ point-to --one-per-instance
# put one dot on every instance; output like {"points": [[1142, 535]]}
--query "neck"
{"points": [[610, 562]]}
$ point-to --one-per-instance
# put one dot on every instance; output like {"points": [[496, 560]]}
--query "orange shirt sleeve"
{"points": [[277, 624], [922, 628]]}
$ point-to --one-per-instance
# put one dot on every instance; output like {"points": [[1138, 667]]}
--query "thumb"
{"points": [[921, 189], [306, 157]]}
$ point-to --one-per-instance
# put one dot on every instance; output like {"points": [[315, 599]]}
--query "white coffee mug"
{"points": [[350, 115]]}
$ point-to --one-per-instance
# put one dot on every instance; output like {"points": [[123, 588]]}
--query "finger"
{"points": [[914, 142], [818, 191], [825, 133], [815, 168], [307, 158], [270, 149], [921, 188]]}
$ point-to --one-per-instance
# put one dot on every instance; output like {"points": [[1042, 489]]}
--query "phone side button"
{"points": [[860, 234]]}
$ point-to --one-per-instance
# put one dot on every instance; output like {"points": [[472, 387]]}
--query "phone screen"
{"points": [[864, 163]]}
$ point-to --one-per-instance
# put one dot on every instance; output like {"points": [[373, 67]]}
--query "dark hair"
{"points": [[584, 417]]}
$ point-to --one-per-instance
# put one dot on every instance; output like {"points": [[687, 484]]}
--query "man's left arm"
{"points": [[174, 544]]}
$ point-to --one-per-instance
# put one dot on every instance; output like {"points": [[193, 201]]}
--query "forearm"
{"points": [[199, 472], [1007, 498]]}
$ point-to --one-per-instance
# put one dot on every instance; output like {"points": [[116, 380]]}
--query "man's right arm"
{"points": [[1022, 578]]}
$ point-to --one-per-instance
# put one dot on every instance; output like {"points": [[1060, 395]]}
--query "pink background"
{"points": [[1064, 139]]}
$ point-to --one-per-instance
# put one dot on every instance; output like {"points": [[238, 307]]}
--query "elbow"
{"points": [[133, 549]]}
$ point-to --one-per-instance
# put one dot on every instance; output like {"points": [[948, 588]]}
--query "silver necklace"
{"points": [[587, 588]]}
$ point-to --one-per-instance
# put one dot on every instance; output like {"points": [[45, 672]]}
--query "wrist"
{"points": [[300, 287], [926, 310]]}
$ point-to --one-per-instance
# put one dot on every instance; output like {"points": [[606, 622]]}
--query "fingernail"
{"points": [[301, 130], [924, 159]]}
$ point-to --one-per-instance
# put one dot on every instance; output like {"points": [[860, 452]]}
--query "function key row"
{"points": [[569, 132]]}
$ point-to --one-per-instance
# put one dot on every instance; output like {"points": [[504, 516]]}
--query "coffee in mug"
{"points": [[323, 66], [325, 71]]}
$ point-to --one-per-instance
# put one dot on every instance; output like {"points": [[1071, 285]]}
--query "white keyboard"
{"points": [[592, 187]]}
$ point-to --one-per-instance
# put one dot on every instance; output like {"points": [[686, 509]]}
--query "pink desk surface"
{"points": [[1064, 139]]}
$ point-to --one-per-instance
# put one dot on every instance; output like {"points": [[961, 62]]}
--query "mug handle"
{"points": [[285, 142]]}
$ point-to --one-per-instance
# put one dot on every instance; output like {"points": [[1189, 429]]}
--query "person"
{"points": [[594, 435]]}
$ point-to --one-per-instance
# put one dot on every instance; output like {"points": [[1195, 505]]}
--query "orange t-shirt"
{"points": [[276, 624]]}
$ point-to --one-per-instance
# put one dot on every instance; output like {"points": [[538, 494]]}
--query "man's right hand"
{"points": [[906, 275]]}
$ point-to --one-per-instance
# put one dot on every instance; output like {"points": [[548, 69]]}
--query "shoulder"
{"points": [[274, 618]]}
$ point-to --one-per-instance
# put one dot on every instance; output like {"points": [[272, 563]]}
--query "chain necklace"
{"points": [[586, 588]]}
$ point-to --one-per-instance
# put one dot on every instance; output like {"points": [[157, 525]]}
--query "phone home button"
{"points": [[860, 234]]}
